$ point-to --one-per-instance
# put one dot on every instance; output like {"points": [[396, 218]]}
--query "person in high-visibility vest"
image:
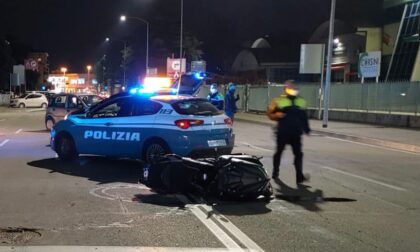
{"points": [[289, 110], [215, 97]]}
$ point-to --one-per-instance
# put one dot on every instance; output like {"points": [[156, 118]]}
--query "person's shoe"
{"points": [[275, 176], [304, 178]]}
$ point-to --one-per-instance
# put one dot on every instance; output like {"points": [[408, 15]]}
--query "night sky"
{"points": [[73, 31]]}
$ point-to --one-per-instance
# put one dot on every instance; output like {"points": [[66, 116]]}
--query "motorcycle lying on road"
{"points": [[230, 177]]}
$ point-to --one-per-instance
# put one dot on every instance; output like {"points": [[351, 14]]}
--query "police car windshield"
{"points": [[91, 100], [196, 107]]}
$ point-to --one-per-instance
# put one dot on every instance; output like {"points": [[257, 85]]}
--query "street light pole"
{"points": [[329, 61], [124, 57], [124, 62], [88, 67], [180, 47], [123, 18]]}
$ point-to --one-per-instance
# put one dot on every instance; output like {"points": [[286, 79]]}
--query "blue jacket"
{"points": [[230, 103]]}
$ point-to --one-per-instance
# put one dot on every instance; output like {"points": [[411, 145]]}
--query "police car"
{"points": [[133, 125]]}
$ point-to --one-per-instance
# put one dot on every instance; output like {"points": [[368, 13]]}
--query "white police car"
{"points": [[141, 127]]}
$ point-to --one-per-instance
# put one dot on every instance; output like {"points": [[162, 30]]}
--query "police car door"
{"points": [[139, 125], [100, 132]]}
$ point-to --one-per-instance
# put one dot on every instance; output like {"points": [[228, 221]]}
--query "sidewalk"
{"points": [[395, 138]]}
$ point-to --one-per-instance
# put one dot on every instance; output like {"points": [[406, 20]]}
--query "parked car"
{"points": [[30, 100], [64, 103]]}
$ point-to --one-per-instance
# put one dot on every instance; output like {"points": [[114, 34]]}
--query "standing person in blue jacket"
{"points": [[214, 97], [230, 101]]}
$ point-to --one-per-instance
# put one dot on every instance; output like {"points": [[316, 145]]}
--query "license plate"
{"points": [[216, 143]]}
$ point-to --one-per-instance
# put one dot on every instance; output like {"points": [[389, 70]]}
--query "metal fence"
{"points": [[393, 98]]}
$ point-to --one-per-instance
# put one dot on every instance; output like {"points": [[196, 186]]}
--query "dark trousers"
{"points": [[296, 143]]}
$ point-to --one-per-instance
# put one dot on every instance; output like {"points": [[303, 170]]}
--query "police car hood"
{"points": [[189, 84]]}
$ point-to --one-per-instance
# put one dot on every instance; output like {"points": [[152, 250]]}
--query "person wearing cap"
{"points": [[230, 101], [289, 110], [214, 97]]}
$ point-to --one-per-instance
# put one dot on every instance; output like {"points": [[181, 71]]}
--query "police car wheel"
{"points": [[66, 149], [49, 123], [154, 149], [22, 105]]}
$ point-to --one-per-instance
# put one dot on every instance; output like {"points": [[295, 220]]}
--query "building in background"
{"points": [[73, 83], [400, 40], [267, 60]]}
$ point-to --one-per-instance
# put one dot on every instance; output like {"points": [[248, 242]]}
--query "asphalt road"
{"points": [[360, 198]]}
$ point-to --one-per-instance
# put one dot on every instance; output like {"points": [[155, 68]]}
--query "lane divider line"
{"points": [[223, 237], [18, 131], [364, 178], [371, 145], [255, 147], [227, 225], [4, 142], [234, 230]]}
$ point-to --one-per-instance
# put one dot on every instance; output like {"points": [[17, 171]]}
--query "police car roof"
{"points": [[174, 98]]}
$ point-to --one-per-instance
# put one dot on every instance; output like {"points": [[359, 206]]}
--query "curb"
{"points": [[366, 140]]}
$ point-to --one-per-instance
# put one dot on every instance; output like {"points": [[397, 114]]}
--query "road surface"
{"points": [[360, 198]]}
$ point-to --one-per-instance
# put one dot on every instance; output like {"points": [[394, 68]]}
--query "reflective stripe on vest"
{"points": [[285, 102]]}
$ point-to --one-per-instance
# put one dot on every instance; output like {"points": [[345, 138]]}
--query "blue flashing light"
{"points": [[142, 91], [200, 75], [133, 90]]}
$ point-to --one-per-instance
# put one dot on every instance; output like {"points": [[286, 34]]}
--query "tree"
{"points": [[192, 47], [6, 63]]}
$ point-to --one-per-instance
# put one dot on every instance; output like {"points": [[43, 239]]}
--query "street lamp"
{"points": [[64, 70], [88, 67], [123, 18]]}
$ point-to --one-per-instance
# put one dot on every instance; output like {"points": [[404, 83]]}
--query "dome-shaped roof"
{"points": [[261, 43], [322, 32]]}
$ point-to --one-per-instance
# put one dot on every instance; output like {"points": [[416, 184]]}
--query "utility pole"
{"points": [[180, 47], [329, 61]]}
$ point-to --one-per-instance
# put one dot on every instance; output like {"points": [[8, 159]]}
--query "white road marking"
{"points": [[221, 235], [108, 249], [364, 178], [18, 131], [235, 231], [35, 110], [374, 146], [4, 142], [255, 147], [224, 222]]}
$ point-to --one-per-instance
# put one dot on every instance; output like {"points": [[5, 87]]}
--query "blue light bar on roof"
{"points": [[200, 75]]}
